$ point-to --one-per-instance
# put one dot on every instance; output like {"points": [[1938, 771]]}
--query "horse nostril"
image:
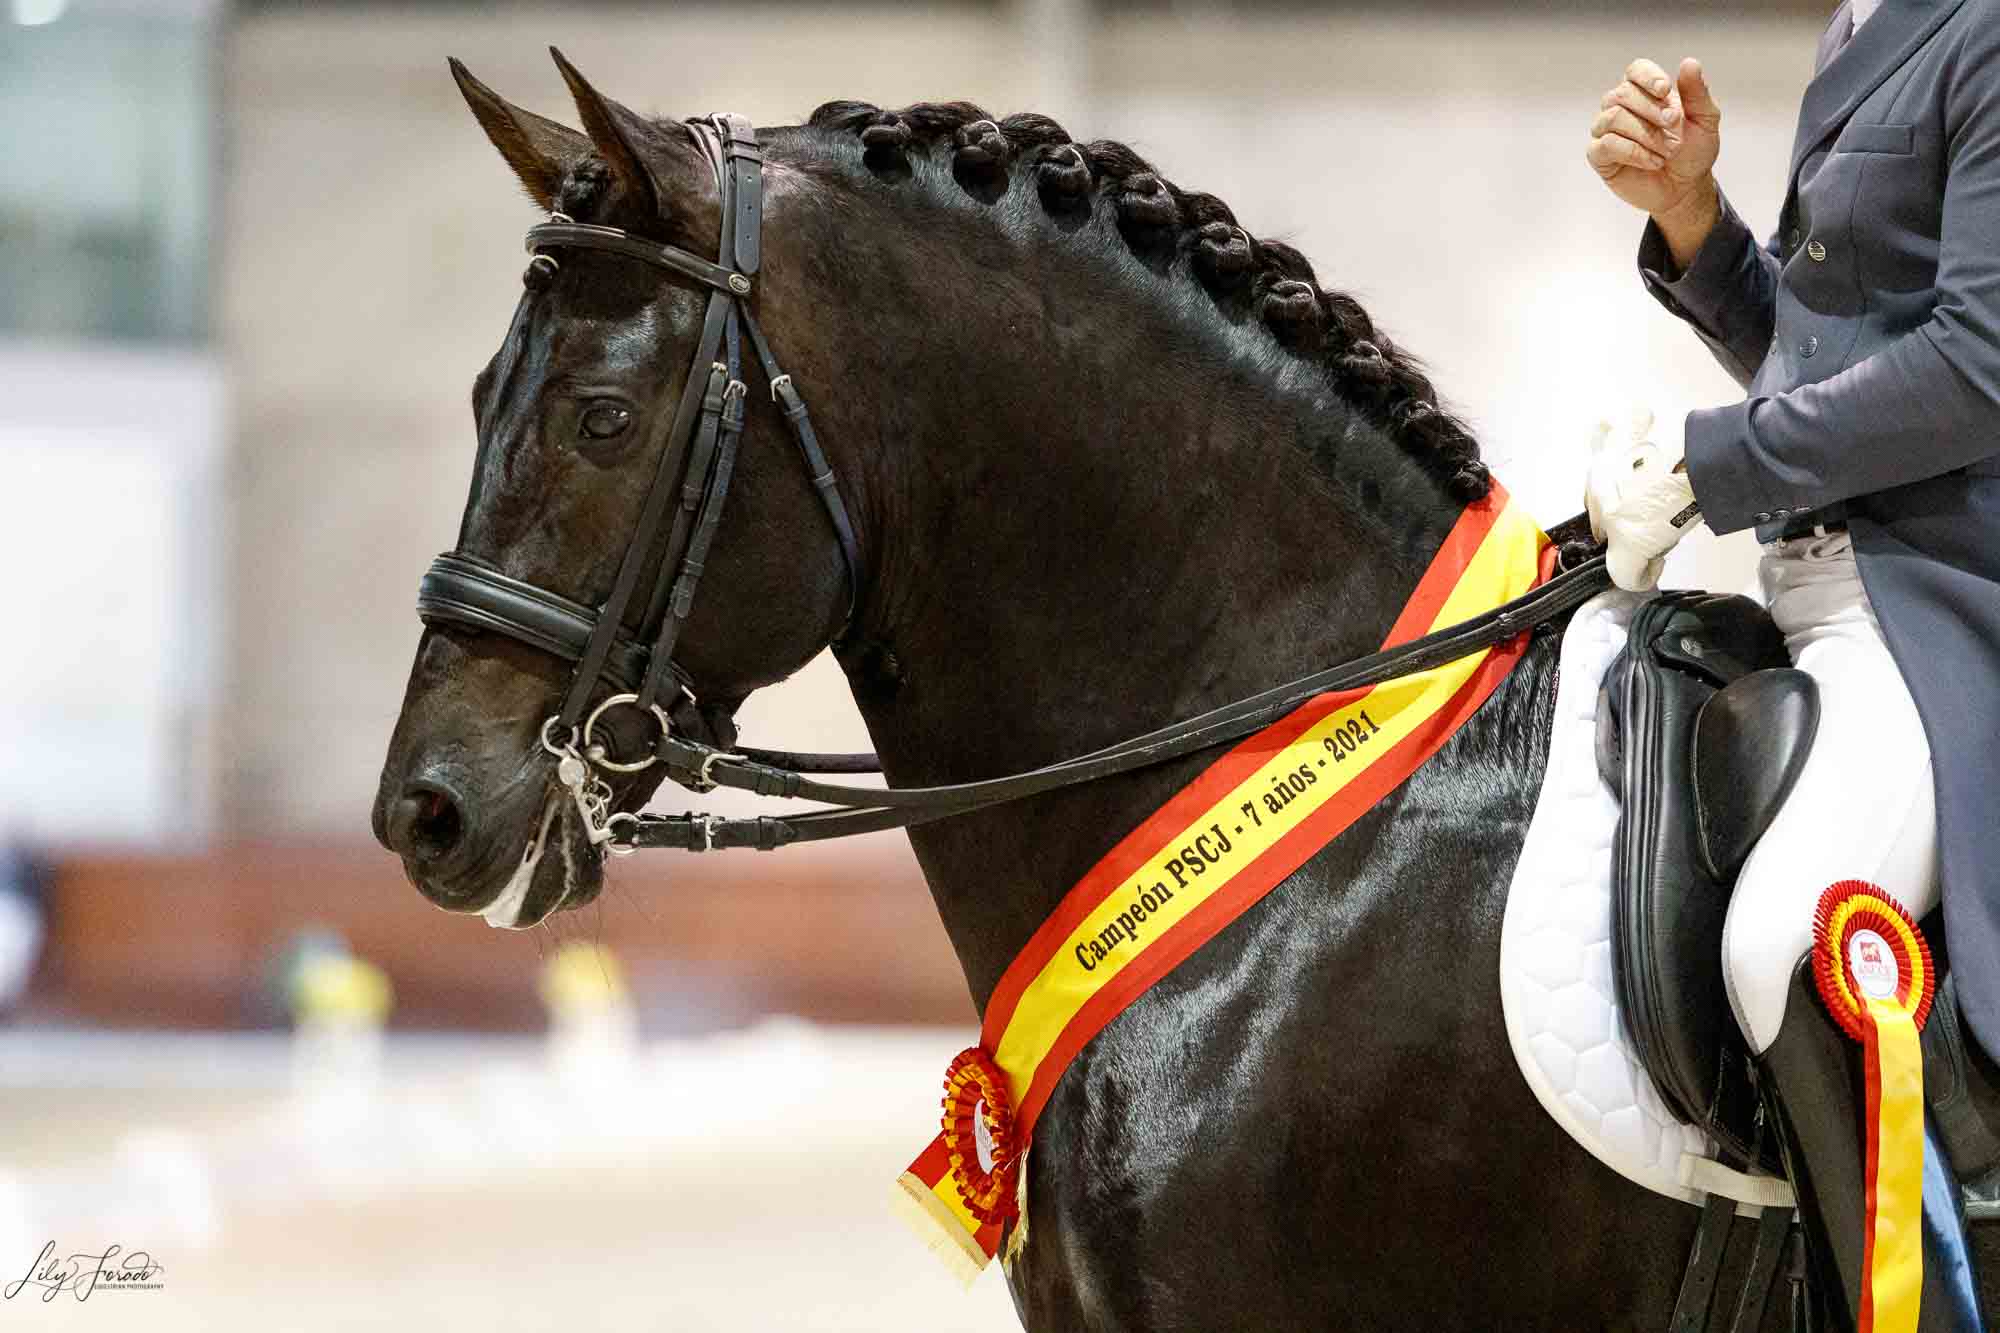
{"points": [[425, 824]]}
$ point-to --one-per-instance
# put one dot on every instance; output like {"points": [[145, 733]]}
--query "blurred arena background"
{"points": [[250, 258]]}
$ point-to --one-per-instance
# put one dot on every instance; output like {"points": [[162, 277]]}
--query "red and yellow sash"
{"points": [[1255, 816]]}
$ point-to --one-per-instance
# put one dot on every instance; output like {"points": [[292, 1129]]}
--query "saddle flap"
{"points": [[1750, 745], [1684, 651]]}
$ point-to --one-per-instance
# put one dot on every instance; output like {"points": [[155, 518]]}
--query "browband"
{"points": [[670, 257]]}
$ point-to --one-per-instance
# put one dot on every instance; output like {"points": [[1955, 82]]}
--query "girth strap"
{"points": [[1704, 1267], [1774, 1233]]}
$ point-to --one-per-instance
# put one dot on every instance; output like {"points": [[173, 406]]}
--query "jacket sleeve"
{"points": [[1728, 296], [1926, 404]]}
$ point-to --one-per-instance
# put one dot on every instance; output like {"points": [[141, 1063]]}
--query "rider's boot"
{"points": [[1807, 1082], [1951, 1279], [1962, 1084], [1810, 1078]]}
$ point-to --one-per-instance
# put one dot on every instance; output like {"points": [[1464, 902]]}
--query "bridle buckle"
{"points": [[704, 777], [612, 844]]}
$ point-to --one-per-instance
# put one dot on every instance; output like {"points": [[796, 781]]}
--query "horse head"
{"points": [[573, 413]]}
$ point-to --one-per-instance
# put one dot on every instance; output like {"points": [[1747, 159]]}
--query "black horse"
{"points": [[1113, 461]]}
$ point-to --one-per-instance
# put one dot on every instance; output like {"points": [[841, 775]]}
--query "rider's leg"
{"points": [[1864, 808]]}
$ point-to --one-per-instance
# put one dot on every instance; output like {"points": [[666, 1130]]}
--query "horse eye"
{"points": [[604, 421]]}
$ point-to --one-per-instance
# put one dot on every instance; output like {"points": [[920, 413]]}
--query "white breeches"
{"points": [[1864, 807]]}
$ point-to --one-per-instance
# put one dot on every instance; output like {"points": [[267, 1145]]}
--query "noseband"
{"points": [[683, 508], [697, 461]]}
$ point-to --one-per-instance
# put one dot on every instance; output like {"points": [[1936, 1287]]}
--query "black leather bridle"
{"points": [[683, 509], [696, 464]]}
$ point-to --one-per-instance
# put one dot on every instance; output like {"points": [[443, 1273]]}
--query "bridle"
{"points": [[697, 460], [696, 465]]}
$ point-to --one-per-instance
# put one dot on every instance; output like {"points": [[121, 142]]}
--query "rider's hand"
{"points": [[1655, 141], [1640, 500]]}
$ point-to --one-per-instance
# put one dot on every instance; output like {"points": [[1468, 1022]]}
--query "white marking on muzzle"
{"points": [[504, 912]]}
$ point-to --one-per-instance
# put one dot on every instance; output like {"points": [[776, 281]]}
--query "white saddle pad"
{"points": [[1555, 954]]}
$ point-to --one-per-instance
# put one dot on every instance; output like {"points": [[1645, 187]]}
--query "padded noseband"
{"points": [[465, 590]]}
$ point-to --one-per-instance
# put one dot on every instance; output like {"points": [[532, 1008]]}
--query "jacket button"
{"points": [[1817, 252], [1809, 346]]}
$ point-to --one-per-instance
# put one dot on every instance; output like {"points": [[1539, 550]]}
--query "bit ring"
{"points": [[604, 761]]}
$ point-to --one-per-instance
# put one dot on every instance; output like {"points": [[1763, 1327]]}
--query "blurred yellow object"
{"points": [[583, 978], [337, 987]]}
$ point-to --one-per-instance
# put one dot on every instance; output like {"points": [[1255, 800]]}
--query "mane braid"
{"points": [[1241, 272]]}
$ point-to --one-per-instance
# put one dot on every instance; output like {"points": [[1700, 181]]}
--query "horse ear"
{"points": [[616, 133], [539, 150]]}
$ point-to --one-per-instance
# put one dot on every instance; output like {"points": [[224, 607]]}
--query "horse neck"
{"points": [[1105, 516]]}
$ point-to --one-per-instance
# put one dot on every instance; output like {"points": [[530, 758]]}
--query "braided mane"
{"points": [[1266, 279]]}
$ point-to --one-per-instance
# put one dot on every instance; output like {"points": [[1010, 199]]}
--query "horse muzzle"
{"points": [[515, 856]]}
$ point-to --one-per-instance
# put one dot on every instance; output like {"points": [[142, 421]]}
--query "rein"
{"points": [[697, 461], [701, 767]]}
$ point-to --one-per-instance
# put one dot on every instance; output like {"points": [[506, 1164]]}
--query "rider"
{"points": [[1867, 457]]}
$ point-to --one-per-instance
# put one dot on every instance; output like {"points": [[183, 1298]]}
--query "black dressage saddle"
{"points": [[1702, 730], [1703, 727]]}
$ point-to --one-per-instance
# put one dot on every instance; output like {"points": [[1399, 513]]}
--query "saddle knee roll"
{"points": [[1750, 744]]}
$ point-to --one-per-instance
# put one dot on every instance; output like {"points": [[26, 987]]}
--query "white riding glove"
{"points": [[1640, 500]]}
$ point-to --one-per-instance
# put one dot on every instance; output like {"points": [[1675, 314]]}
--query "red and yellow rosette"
{"points": [[965, 1188], [1875, 974], [979, 1137]]}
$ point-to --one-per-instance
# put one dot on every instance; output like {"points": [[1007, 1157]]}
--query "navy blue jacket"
{"points": [[1867, 336]]}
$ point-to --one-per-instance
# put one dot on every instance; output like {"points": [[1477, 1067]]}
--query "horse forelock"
{"points": [[1195, 235]]}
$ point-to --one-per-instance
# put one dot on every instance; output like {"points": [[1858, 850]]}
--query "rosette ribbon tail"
{"points": [[1874, 971], [1893, 1275]]}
